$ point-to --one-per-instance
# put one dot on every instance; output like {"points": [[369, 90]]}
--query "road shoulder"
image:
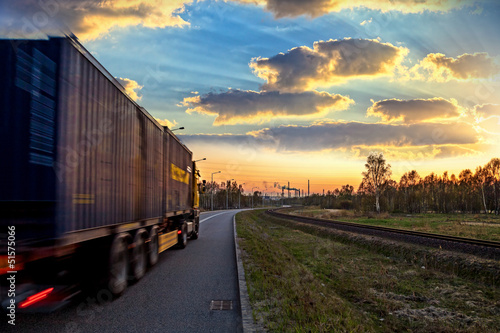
{"points": [[246, 309]]}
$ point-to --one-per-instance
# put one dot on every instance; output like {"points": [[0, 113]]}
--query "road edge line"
{"points": [[246, 308]]}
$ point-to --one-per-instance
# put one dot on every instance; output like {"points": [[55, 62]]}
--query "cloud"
{"points": [[88, 19], [315, 8], [420, 152], [223, 139], [414, 110], [399, 142], [166, 122], [131, 87], [455, 151], [438, 67], [328, 62], [365, 22], [487, 110], [490, 125], [486, 118], [247, 106], [338, 135]]}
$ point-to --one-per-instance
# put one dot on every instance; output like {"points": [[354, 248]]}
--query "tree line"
{"points": [[470, 191], [228, 195]]}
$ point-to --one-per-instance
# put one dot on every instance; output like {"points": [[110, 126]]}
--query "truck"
{"points": [[92, 187]]}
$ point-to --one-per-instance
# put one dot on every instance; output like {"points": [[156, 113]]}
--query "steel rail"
{"points": [[332, 223]]}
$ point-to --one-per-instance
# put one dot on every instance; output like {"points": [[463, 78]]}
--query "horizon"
{"points": [[274, 92]]}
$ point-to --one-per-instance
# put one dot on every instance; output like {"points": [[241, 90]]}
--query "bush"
{"points": [[346, 204], [344, 213], [374, 215]]}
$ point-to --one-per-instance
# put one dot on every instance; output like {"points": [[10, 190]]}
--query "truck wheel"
{"points": [[138, 259], [196, 231], [183, 236], [118, 265], [153, 246]]}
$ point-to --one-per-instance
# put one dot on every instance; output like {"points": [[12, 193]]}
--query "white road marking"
{"points": [[212, 216]]}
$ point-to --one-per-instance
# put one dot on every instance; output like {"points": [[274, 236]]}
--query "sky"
{"points": [[278, 91]]}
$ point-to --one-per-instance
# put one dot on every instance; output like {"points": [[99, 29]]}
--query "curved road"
{"points": [[174, 296]]}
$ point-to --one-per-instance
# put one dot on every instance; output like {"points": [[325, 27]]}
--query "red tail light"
{"points": [[179, 232], [35, 298]]}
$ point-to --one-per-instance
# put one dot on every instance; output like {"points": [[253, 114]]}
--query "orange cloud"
{"points": [[486, 118], [315, 8], [414, 110], [438, 67], [337, 135], [166, 122], [420, 152], [327, 63], [246, 106], [88, 19], [131, 87], [402, 142], [487, 110]]}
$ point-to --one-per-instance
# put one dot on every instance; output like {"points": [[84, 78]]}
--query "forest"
{"points": [[471, 191]]}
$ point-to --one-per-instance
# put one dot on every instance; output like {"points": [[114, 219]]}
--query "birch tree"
{"points": [[376, 175]]}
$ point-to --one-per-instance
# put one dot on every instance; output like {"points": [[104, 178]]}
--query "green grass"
{"points": [[301, 280], [478, 226]]}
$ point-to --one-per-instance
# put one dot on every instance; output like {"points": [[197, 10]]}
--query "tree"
{"points": [[465, 179], [409, 184], [346, 192], [431, 190], [376, 175], [493, 168], [481, 177]]}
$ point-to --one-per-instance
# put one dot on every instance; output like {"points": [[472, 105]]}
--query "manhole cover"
{"points": [[221, 305]]}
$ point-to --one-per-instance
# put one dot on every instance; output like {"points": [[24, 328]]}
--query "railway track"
{"points": [[423, 238]]}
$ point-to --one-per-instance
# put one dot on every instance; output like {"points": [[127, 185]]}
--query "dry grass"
{"points": [[463, 225], [301, 282]]}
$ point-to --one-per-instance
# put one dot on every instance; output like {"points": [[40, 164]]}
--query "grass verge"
{"points": [[480, 226], [302, 280]]}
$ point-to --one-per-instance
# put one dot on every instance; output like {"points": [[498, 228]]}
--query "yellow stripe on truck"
{"points": [[83, 198], [178, 174], [168, 240]]}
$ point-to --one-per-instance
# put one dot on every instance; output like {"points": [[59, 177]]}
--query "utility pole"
{"points": [[308, 187]]}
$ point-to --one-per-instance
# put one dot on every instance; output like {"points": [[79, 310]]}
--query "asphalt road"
{"points": [[174, 296]]}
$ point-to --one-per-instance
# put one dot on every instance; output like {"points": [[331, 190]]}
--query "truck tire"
{"points": [[118, 265], [153, 247], [182, 241], [196, 231], [138, 261]]}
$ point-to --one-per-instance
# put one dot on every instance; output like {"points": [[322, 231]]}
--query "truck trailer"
{"points": [[92, 187]]}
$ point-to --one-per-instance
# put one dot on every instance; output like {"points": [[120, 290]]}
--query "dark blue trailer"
{"points": [[85, 172]]}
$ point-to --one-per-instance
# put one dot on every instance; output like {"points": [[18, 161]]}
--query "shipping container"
{"points": [[81, 161], [75, 146]]}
